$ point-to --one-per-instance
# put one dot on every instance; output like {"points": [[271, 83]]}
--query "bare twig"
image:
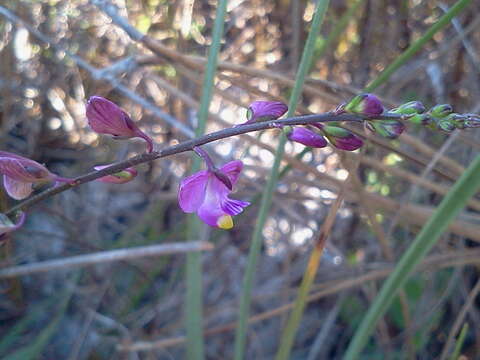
{"points": [[105, 257]]}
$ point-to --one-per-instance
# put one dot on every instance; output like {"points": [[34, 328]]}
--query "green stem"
{"points": [[454, 201], [193, 294], [245, 300]]}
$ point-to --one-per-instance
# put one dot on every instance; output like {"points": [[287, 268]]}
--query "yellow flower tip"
{"points": [[225, 222]]}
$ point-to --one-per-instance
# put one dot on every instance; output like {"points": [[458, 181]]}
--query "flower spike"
{"points": [[207, 194], [106, 117], [265, 110], [19, 175]]}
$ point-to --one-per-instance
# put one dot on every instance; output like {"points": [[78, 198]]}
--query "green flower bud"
{"points": [[446, 125], [441, 111], [409, 108], [390, 129], [421, 119]]}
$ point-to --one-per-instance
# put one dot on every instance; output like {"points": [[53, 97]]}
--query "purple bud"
{"points": [[341, 138], [265, 111], [390, 129], [307, 137], [106, 117], [19, 175], [120, 177], [365, 104]]}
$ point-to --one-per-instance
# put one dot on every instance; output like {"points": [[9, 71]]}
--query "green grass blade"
{"points": [[339, 28], [241, 330], [454, 201], [193, 294], [459, 342]]}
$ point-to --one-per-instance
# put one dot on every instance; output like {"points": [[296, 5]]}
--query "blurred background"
{"points": [[56, 54]]}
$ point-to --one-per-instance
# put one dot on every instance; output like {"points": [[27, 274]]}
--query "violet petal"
{"points": [[192, 191]]}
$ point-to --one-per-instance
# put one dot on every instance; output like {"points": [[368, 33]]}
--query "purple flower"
{"points": [[307, 137], [341, 138], [120, 177], [390, 129], [106, 117], [265, 111], [19, 175], [365, 104], [6, 225], [205, 194]]}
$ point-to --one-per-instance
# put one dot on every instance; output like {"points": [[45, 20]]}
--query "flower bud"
{"points": [[472, 121], [342, 138], [390, 129], [365, 104], [265, 110], [445, 125], [409, 108], [307, 137], [440, 111], [106, 117], [120, 177], [458, 120], [20, 174], [420, 119]]}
